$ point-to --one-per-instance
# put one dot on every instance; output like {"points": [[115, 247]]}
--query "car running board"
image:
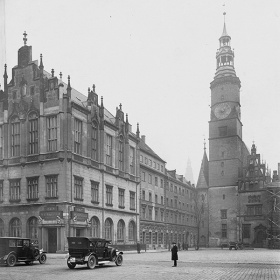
{"points": [[104, 262]]}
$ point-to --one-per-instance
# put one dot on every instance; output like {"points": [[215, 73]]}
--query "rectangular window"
{"points": [[78, 188], [223, 131], [161, 183], [1, 192], [156, 198], [224, 214], [15, 190], [52, 133], [150, 213], [246, 230], [161, 215], [254, 210], [143, 195], [156, 181], [121, 154], [132, 200], [156, 214], [132, 160], [1, 142], [162, 200], [150, 179], [94, 192], [224, 231], [33, 136], [109, 195], [109, 145], [32, 188], [171, 187], [15, 138], [144, 212], [175, 189], [166, 201], [51, 186], [77, 136], [94, 143], [141, 158], [121, 198], [150, 196], [143, 176]]}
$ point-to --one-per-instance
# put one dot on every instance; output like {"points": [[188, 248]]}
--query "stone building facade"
{"points": [[167, 212], [68, 167]]}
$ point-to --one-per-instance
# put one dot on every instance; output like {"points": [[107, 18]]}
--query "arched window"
{"points": [[94, 141], [120, 230], [15, 137], [95, 227], [15, 228], [1, 228], [33, 133], [121, 153], [109, 229], [132, 231], [33, 228]]}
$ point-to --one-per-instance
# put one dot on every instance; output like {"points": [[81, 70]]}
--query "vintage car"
{"points": [[17, 249], [92, 252]]}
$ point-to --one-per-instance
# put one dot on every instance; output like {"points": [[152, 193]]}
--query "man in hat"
{"points": [[174, 254]]}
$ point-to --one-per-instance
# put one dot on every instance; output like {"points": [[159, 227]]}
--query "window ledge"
{"points": [[51, 197], [32, 199], [14, 200], [108, 204], [94, 202], [121, 207], [78, 199]]}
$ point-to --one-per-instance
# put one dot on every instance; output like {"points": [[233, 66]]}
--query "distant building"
{"points": [[189, 172], [68, 167]]}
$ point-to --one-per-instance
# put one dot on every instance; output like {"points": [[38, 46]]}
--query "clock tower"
{"points": [[225, 127]]}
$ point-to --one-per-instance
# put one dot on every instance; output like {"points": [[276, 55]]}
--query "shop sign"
{"points": [[51, 215], [79, 209], [79, 216], [51, 208]]}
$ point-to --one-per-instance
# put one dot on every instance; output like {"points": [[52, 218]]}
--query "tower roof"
{"points": [[203, 178], [225, 34]]}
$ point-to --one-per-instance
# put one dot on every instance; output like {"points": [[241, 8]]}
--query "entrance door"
{"points": [[79, 232], [52, 240]]}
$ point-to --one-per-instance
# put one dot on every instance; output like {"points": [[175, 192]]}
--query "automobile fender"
{"points": [[6, 256], [119, 253], [92, 254]]}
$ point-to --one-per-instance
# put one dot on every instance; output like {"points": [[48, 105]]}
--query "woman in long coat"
{"points": [[174, 254]]}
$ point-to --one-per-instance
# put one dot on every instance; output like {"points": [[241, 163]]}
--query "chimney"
{"points": [[143, 137]]}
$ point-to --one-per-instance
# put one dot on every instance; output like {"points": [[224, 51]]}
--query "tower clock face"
{"points": [[222, 110]]}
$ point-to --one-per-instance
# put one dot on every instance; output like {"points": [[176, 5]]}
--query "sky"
{"points": [[157, 58]]}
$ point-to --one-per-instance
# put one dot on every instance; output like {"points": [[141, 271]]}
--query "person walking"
{"points": [[174, 254]]}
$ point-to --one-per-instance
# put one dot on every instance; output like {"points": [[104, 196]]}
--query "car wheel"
{"points": [[42, 258], [91, 262], [119, 260], [70, 265], [11, 260]]}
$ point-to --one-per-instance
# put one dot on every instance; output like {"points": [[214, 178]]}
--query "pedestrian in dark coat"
{"points": [[174, 254]]}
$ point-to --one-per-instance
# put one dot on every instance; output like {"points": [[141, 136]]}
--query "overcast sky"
{"points": [[157, 58]]}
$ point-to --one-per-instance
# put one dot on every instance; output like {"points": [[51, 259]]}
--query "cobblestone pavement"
{"points": [[192, 265]]}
